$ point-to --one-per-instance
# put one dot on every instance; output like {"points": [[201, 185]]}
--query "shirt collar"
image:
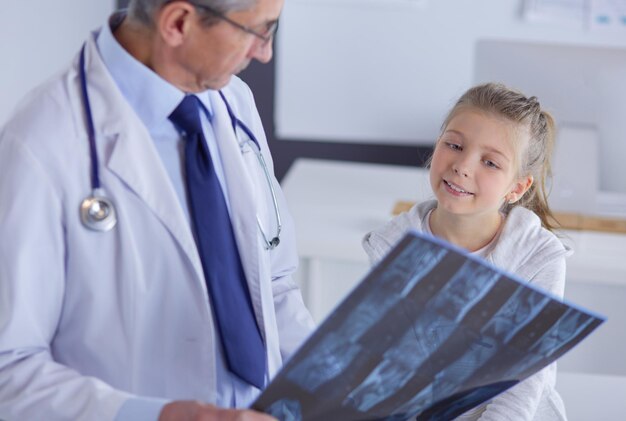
{"points": [[152, 97]]}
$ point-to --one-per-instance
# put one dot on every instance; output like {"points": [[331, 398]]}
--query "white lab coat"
{"points": [[88, 319]]}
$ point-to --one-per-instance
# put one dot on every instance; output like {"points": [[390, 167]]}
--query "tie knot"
{"points": [[186, 116]]}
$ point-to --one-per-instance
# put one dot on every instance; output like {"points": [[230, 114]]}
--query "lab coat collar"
{"points": [[152, 97], [134, 159]]}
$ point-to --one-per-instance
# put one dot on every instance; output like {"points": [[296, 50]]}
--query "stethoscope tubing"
{"points": [[92, 207], [91, 132], [238, 123], [96, 211]]}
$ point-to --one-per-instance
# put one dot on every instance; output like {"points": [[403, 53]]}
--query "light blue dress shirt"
{"points": [[154, 99]]}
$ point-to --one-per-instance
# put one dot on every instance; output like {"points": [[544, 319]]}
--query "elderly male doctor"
{"points": [[178, 307]]}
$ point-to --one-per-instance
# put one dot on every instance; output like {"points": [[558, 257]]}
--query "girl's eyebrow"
{"points": [[455, 132]]}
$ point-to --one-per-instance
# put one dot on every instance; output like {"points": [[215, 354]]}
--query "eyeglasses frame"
{"points": [[264, 38]]}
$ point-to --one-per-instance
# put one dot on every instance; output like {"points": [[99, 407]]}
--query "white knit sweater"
{"points": [[531, 252]]}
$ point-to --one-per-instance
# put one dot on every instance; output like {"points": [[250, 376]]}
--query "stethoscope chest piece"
{"points": [[98, 213]]}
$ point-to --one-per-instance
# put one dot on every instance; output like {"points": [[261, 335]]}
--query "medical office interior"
{"points": [[352, 104]]}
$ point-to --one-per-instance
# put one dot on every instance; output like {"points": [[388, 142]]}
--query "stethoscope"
{"points": [[97, 212]]}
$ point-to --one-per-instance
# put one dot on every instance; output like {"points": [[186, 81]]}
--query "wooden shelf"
{"points": [[570, 221]]}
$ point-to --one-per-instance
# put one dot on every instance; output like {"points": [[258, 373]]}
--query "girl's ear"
{"points": [[520, 187]]}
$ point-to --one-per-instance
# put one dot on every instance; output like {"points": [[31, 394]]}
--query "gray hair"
{"points": [[143, 11]]}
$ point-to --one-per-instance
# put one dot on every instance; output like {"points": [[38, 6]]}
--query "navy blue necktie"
{"points": [[226, 281]]}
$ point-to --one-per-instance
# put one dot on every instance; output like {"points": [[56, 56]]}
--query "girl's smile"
{"points": [[455, 189]]}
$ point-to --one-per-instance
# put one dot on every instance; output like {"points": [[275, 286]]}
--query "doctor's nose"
{"points": [[262, 51]]}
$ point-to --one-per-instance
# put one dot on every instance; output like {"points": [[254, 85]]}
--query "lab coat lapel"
{"points": [[241, 194], [131, 155], [135, 161]]}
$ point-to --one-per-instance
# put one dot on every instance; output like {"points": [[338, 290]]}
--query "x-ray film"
{"points": [[430, 333]]}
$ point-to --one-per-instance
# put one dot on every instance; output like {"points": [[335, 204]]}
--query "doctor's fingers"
{"points": [[198, 411]]}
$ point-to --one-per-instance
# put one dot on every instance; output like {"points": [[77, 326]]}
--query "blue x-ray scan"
{"points": [[430, 333]]}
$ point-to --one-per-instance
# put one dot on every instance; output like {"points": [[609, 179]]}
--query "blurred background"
{"points": [[352, 103]]}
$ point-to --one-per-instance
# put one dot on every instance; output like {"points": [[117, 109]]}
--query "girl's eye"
{"points": [[454, 146], [491, 164]]}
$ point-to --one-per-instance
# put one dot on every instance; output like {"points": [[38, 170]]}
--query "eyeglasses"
{"points": [[265, 36]]}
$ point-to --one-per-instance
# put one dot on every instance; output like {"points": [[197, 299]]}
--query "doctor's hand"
{"points": [[198, 411]]}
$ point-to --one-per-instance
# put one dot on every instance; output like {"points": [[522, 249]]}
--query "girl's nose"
{"points": [[461, 169]]}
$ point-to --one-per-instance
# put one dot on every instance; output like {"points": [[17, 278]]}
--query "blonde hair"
{"points": [[528, 117]]}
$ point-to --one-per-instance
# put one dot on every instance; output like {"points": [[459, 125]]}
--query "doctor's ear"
{"points": [[173, 21]]}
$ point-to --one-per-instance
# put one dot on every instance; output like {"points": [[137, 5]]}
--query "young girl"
{"points": [[488, 173]]}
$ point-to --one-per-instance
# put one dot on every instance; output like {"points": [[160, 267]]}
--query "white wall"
{"points": [[383, 69], [388, 70], [38, 38]]}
